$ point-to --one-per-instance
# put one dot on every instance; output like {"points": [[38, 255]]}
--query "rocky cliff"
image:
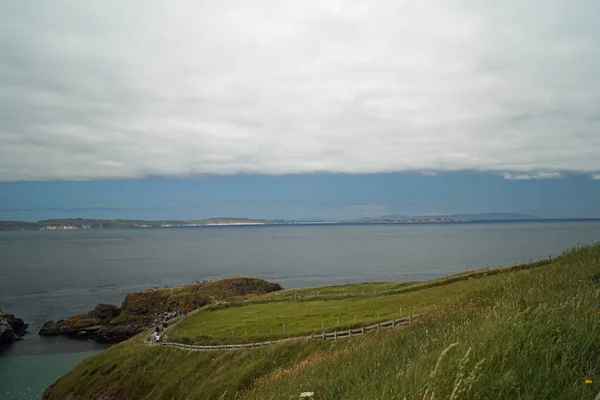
{"points": [[11, 328], [142, 310]]}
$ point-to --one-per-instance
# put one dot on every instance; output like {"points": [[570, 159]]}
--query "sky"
{"points": [[313, 109]]}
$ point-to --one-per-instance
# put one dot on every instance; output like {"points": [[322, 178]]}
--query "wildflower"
{"points": [[515, 324], [588, 382], [307, 394]]}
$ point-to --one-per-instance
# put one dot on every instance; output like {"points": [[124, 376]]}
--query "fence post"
{"points": [[393, 323], [323, 334], [362, 330], [335, 335]]}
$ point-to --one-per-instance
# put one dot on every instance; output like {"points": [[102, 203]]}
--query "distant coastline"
{"points": [[88, 223]]}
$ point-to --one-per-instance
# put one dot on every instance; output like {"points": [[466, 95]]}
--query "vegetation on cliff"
{"points": [[140, 310], [526, 333]]}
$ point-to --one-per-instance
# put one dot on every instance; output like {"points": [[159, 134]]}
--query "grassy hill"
{"points": [[528, 333]]}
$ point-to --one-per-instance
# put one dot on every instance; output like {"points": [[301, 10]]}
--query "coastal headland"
{"points": [[139, 311], [489, 333]]}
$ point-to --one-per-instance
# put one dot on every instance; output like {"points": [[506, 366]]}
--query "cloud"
{"points": [[532, 175], [111, 90], [595, 176]]}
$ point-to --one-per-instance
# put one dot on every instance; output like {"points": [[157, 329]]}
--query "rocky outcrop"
{"points": [[11, 328], [110, 324], [105, 323]]}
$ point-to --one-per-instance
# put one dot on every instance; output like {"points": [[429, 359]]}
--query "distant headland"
{"points": [[87, 223], [91, 223]]}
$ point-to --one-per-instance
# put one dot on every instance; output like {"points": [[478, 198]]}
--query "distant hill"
{"points": [[494, 216], [469, 217], [89, 223]]}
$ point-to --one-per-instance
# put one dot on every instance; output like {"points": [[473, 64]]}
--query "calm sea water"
{"points": [[54, 274]]}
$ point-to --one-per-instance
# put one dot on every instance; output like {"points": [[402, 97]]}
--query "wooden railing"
{"points": [[398, 322]]}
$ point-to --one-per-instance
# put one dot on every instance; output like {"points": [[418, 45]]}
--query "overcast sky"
{"points": [[111, 89]]}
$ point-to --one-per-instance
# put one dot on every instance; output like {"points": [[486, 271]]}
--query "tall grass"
{"points": [[528, 334], [532, 335]]}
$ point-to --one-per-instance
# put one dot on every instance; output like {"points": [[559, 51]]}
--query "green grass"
{"points": [[326, 309], [527, 334], [131, 370], [531, 335], [267, 319], [334, 291]]}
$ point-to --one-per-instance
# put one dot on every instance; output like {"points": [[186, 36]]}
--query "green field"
{"points": [[528, 333], [334, 291], [267, 319]]}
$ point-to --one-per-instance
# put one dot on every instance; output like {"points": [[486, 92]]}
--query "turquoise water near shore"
{"points": [[16, 373], [55, 274]]}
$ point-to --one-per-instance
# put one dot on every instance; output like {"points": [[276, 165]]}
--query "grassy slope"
{"points": [[527, 334], [533, 334], [350, 289], [258, 319]]}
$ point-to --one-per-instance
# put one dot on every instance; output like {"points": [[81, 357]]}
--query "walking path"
{"points": [[325, 335]]}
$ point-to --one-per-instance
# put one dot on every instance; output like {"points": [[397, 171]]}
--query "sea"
{"points": [[49, 275]]}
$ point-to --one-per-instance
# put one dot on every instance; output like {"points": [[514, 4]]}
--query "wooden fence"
{"points": [[398, 322]]}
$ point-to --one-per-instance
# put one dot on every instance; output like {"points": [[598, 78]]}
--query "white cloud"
{"points": [[532, 175], [112, 89], [595, 176]]}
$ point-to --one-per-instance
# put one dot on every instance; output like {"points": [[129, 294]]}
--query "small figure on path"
{"points": [[164, 325], [157, 338]]}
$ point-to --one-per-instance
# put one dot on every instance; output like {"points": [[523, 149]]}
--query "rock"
{"points": [[105, 311], [82, 334], [56, 328], [120, 332], [11, 328]]}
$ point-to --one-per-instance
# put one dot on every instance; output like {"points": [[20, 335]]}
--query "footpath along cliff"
{"points": [[111, 324]]}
